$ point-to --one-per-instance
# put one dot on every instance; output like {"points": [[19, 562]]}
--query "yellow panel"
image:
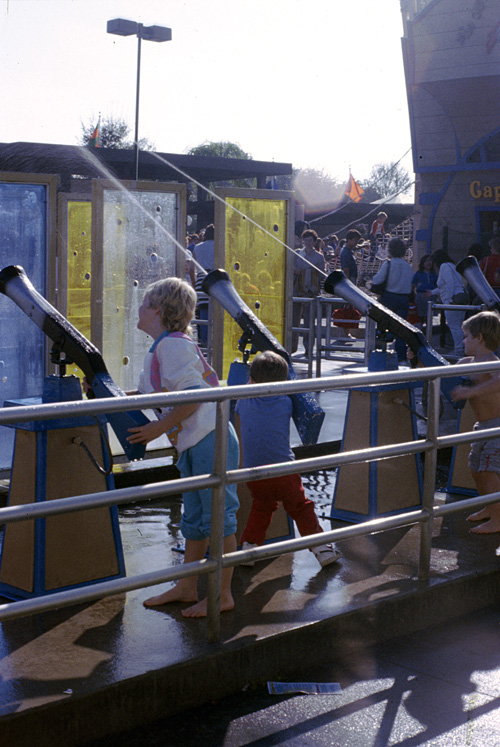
{"points": [[256, 263], [79, 264]]}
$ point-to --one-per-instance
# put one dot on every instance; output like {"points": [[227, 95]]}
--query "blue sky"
{"points": [[318, 83]]}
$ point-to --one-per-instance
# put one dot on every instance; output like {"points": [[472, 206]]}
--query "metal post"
{"points": [[310, 337], [370, 334], [136, 137], [430, 314], [217, 529], [319, 334], [328, 329], [429, 487], [210, 331]]}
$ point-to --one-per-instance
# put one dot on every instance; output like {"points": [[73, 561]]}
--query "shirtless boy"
{"points": [[481, 339]]}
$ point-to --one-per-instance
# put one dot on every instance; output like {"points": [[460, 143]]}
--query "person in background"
{"points": [[347, 262], [477, 251], [451, 290], [397, 274], [204, 253], [320, 245], [308, 272], [377, 232], [191, 242], [490, 265], [425, 279]]}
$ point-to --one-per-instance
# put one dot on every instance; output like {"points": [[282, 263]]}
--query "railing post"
{"points": [[319, 334], [370, 334], [311, 335], [430, 316], [210, 331], [429, 487], [216, 546]]}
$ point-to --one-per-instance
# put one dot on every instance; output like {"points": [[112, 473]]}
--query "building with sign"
{"points": [[451, 52]]}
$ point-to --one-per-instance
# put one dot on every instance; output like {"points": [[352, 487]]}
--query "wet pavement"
{"points": [[85, 672], [435, 688]]}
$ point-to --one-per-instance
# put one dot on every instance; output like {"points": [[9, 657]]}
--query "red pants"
{"points": [[266, 495]]}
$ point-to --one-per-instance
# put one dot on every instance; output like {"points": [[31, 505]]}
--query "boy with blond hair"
{"points": [[481, 340]]}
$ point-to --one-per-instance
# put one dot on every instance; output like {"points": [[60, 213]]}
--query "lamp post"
{"points": [[122, 27]]}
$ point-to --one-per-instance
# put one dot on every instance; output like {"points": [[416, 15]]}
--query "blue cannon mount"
{"points": [[70, 346], [388, 322], [307, 415]]}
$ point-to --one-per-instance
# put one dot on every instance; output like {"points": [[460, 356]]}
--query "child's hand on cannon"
{"points": [[145, 433], [87, 389]]}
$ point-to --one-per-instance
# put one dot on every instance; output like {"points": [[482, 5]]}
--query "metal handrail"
{"points": [[327, 347], [217, 480], [303, 330]]}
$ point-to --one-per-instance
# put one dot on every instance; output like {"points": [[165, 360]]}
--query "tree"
{"points": [[386, 179], [316, 189], [114, 133], [223, 149]]}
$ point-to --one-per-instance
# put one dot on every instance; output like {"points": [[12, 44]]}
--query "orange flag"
{"points": [[96, 136], [353, 190]]}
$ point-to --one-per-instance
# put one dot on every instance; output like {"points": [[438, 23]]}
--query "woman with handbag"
{"points": [[451, 290], [395, 276]]}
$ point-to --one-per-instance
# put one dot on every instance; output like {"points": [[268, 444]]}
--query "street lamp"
{"points": [[122, 27]]}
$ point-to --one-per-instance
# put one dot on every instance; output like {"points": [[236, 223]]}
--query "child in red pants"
{"points": [[265, 439]]}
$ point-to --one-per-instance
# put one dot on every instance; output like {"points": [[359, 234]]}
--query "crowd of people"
{"points": [[406, 292]]}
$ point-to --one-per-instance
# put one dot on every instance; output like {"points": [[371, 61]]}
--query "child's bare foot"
{"points": [[482, 515], [489, 527], [177, 594], [200, 609]]}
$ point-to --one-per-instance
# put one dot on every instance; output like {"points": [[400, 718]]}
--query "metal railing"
{"points": [[217, 481], [308, 305], [327, 346], [433, 307]]}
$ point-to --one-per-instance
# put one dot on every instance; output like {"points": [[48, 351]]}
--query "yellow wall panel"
{"points": [[255, 260]]}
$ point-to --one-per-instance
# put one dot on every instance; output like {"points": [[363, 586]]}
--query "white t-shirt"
{"points": [[174, 363]]}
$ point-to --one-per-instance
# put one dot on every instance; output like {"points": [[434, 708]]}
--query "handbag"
{"points": [[379, 288], [461, 299]]}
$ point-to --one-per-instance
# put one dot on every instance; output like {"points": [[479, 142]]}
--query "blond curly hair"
{"points": [[176, 300]]}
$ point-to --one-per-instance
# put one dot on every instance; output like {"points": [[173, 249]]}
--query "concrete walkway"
{"points": [[79, 674], [435, 688]]}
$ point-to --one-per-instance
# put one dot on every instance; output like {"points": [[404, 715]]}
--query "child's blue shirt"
{"points": [[265, 430]]}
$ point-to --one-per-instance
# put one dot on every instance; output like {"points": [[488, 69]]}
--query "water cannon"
{"points": [[307, 415], [70, 346], [469, 269], [388, 322]]}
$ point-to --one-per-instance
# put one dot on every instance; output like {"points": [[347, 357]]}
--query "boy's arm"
{"points": [[482, 389], [149, 432]]}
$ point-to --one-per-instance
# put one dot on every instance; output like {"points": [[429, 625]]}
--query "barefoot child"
{"points": [[265, 439], [174, 363], [481, 339]]}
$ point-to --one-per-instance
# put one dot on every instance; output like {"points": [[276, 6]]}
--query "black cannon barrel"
{"points": [[387, 321], [307, 415], [16, 285]]}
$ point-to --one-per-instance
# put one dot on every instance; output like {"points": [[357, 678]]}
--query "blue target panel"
{"points": [[23, 241]]}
